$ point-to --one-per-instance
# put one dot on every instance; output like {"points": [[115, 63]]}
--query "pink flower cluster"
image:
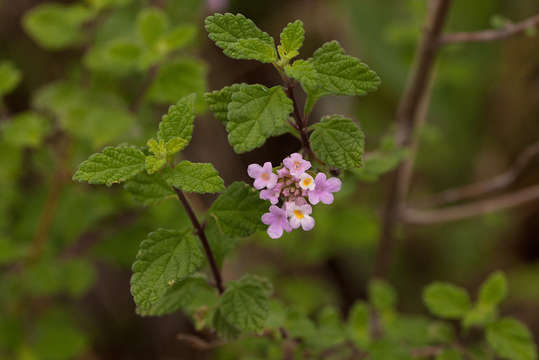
{"points": [[287, 190]]}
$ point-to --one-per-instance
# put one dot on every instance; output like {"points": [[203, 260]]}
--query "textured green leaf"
{"points": [[148, 189], [178, 79], [113, 165], [26, 129], [382, 295], [254, 113], [224, 328], [153, 163], [56, 26], [238, 210], [245, 303], [446, 300], [10, 77], [178, 122], [292, 38], [331, 72], [339, 142], [152, 23], [164, 258], [240, 38], [195, 177], [511, 340], [449, 354], [494, 289], [218, 101]]}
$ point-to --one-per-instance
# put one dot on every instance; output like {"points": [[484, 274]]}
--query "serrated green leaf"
{"points": [[148, 189], [165, 257], [152, 23], [382, 295], [254, 113], [245, 303], [493, 290], [331, 72], [113, 165], [511, 339], [446, 300], [178, 122], [339, 142], [218, 101], [154, 163], [224, 328], [238, 210], [56, 26], [178, 79], [10, 77], [26, 129], [240, 38], [292, 38], [359, 322], [220, 243], [449, 354], [195, 177]]}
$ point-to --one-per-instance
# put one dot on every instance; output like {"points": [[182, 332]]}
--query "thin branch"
{"points": [[198, 342], [480, 188], [491, 35], [199, 230], [459, 212], [408, 115]]}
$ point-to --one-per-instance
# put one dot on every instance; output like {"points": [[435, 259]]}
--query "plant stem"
{"points": [[199, 229]]}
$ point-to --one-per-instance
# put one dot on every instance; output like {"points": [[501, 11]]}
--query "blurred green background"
{"points": [[73, 301]]}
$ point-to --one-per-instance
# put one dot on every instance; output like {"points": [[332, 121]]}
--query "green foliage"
{"points": [[237, 211], [240, 38], [26, 129], [494, 289], [165, 257], [331, 72], [339, 142], [379, 163], [449, 354], [113, 165], [195, 177], [292, 38], [511, 340], [10, 77], [148, 189], [151, 25], [220, 243], [56, 26], [177, 123], [446, 300], [382, 295], [359, 322], [102, 4], [218, 101]]}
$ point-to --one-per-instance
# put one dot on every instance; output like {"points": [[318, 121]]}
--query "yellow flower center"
{"points": [[306, 181], [265, 176], [298, 214]]}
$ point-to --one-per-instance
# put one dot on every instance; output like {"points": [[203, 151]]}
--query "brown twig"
{"points": [[491, 35], [408, 114], [458, 212], [198, 342], [199, 230]]}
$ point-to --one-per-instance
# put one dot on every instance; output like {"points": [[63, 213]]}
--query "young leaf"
{"points": [[240, 38], [292, 38], [178, 122], [493, 290], [148, 189], [331, 72], [359, 324], [339, 142], [152, 23], [218, 101], [154, 163], [26, 129], [511, 340], [245, 303], [195, 177], [254, 113], [382, 295], [446, 300], [165, 257], [238, 210], [176, 38], [10, 77], [113, 165]]}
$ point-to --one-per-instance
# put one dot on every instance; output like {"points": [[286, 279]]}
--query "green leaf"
{"points": [[224, 328], [113, 165], [119, 56], [331, 72], [240, 38], [218, 101], [480, 315], [494, 289], [152, 23], [511, 339], [446, 300], [195, 177], [379, 163], [238, 210], [254, 113], [292, 38], [153, 163], [80, 276], [359, 324], [164, 258], [220, 243], [245, 303], [56, 26], [10, 77], [339, 142], [178, 79], [26, 129], [148, 189], [382, 295], [441, 332], [178, 122], [102, 4], [449, 354], [176, 38]]}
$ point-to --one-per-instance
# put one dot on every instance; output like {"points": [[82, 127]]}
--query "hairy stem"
{"points": [[199, 229]]}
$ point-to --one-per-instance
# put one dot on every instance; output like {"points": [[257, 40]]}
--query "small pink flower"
{"points": [[272, 194], [323, 189], [282, 172], [263, 175], [306, 182], [296, 164], [277, 221], [300, 216]]}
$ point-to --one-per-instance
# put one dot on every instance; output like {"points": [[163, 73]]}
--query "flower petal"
{"points": [[275, 231], [333, 184], [313, 197], [254, 170], [294, 222], [307, 223], [326, 197], [268, 218]]}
